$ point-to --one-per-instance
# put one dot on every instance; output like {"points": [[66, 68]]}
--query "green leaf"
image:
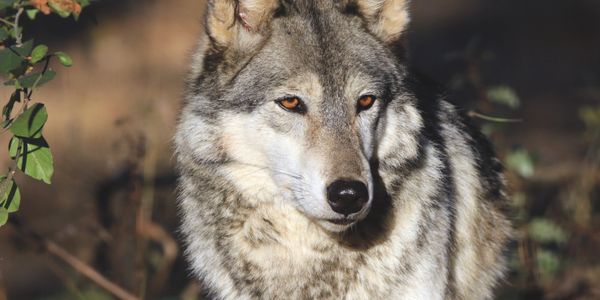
{"points": [[64, 59], [25, 49], [9, 61], [17, 33], [35, 158], [14, 198], [10, 196], [13, 147], [504, 95], [547, 262], [544, 230], [31, 80], [7, 110], [489, 128], [521, 162], [590, 115], [58, 10], [3, 34], [83, 3], [38, 53], [32, 13], [31, 122], [3, 216]]}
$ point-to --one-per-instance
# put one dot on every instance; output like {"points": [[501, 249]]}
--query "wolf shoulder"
{"points": [[482, 228]]}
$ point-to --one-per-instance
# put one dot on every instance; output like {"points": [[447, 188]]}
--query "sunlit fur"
{"points": [[252, 190]]}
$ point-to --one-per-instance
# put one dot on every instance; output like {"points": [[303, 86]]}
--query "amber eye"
{"points": [[365, 102], [292, 104]]}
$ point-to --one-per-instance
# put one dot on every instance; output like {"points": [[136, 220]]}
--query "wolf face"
{"points": [[302, 97]]}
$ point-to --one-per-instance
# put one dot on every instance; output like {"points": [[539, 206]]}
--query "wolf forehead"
{"points": [[301, 39]]}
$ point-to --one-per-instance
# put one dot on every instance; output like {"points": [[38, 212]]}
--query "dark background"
{"points": [[112, 116]]}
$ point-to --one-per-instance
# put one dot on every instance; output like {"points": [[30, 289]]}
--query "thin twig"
{"points": [[170, 251], [475, 114], [79, 266], [28, 93], [7, 22], [18, 36], [12, 169], [37, 81], [88, 271]]}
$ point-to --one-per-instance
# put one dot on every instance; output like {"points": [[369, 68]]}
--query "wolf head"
{"points": [[293, 101]]}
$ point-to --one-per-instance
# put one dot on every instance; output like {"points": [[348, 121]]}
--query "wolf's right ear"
{"points": [[238, 23], [387, 19]]}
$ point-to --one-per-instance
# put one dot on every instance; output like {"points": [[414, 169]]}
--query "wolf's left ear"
{"points": [[238, 23], [387, 19]]}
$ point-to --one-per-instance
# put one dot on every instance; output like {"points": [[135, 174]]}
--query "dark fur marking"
{"points": [[428, 95], [374, 228], [488, 166], [351, 9]]}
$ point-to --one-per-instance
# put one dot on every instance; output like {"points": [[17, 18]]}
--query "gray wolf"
{"points": [[315, 165]]}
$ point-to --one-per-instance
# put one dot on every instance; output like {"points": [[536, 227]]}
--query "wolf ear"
{"points": [[387, 19], [238, 23]]}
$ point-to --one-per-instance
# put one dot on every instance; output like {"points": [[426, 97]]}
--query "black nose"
{"points": [[347, 196]]}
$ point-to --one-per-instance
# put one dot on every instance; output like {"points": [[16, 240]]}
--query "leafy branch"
{"points": [[25, 67]]}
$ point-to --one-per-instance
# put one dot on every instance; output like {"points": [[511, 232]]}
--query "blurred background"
{"points": [[527, 71]]}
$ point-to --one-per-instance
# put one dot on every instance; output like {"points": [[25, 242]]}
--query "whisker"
{"points": [[263, 167]]}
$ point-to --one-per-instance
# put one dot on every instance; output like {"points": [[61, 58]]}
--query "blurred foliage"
{"points": [[25, 67], [548, 263], [546, 231], [504, 95], [543, 236], [521, 162], [590, 116]]}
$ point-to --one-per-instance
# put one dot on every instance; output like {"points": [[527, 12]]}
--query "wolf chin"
{"points": [[314, 165]]}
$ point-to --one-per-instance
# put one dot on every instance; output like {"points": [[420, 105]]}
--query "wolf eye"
{"points": [[293, 104], [365, 102]]}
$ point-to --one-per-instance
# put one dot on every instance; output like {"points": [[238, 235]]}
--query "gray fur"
{"points": [[252, 174]]}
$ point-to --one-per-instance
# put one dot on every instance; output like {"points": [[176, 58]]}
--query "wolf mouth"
{"points": [[341, 221]]}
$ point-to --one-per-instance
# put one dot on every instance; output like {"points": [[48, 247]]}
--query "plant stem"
{"points": [[88, 271], [18, 36], [7, 22], [492, 119], [78, 265]]}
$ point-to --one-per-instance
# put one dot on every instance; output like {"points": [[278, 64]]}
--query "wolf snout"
{"points": [[347, 196]]}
